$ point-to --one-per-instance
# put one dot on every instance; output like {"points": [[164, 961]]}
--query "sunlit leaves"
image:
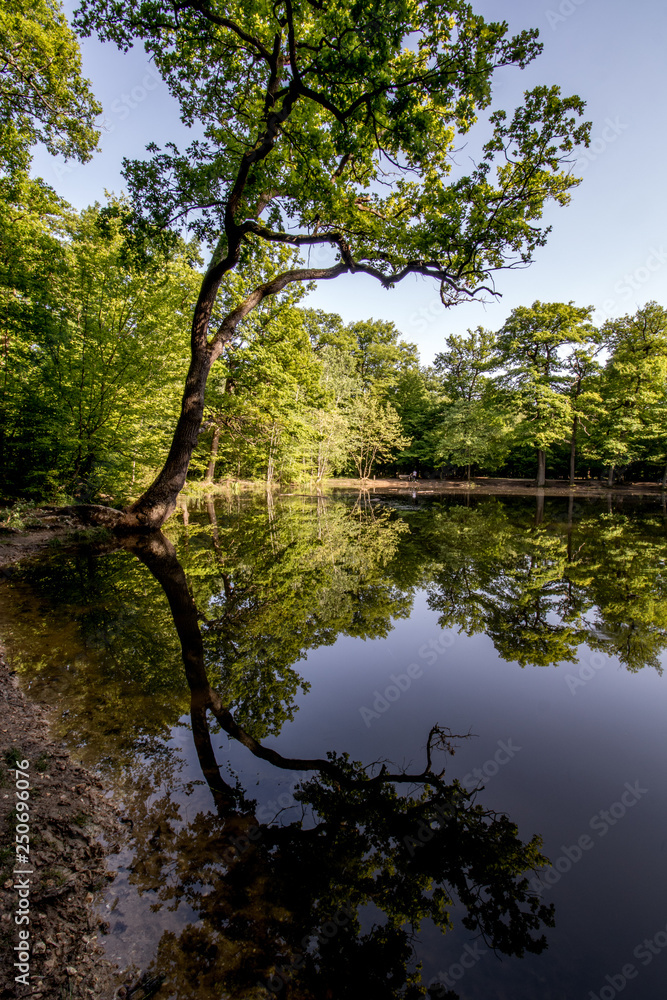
{"points": [[95, 345], [43, 96], [339, 122]]}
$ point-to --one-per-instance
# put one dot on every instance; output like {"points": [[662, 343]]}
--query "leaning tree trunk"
{"points": [[159, 501], [541, 467], [153, 508]]}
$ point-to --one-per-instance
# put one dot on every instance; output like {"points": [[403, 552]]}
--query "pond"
{"points": [[373, 745]]}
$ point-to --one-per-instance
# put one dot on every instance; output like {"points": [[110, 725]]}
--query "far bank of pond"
{"points": [[481, 485]]}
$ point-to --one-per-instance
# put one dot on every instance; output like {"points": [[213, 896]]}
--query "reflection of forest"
{"points": [[280, 903], [539, 590], [272, 582], [253, 588], [539, 584]]}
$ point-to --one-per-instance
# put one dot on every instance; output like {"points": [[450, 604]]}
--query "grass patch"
{"points": [[54, 875], [19, 516], [13, 756]]}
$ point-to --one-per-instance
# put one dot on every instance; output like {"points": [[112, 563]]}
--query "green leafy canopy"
{"points": [[43, 97], [331, 127]]}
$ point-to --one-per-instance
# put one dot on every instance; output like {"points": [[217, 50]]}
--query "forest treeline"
{"points": [[94, 354], [97, 307]]}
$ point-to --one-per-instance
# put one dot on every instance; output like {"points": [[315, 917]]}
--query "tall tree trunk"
{"points": [[153, 508], [541, 467], [610, 477], [573, 449], [215, 443], [271, 466]]}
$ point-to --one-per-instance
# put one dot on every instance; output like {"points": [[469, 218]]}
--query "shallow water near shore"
{"points": [[532, 632]]}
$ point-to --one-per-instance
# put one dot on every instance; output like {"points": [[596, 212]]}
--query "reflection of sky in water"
{"points": [[578, 749], [558, 746]]}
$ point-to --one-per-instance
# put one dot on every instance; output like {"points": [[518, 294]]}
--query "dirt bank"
{"points": [[72, 826], [36, 532]]}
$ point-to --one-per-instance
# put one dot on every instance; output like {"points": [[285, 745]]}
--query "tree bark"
{"points": [[610, 477], [541, 466], [153, 508], [210, 472]]}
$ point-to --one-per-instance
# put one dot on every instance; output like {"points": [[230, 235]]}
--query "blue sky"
{"points": [[608, 248]]}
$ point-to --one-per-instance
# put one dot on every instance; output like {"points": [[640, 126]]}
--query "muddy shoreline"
{"points": [[72, 828]]}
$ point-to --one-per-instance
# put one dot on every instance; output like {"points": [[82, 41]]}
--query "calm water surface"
{"points": [[518, 648]]}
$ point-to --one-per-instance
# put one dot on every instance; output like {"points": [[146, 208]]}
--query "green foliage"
{"points": [[278, 581], [117, 650], [464, 367], [540, 591], [472, 433], [317, 104], [93, 351], [475, 425], [291, 400], [322, 133], [272, 583], [417, 398], [375, 432], [633, 388], [531, 345], [18, 517], [43, 97]]}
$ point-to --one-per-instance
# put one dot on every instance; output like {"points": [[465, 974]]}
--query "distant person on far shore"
{"points": [[414, 474]]}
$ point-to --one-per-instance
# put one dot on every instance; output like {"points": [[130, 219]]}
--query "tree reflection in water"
{"points": [[378, 851], [280, 904]]}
